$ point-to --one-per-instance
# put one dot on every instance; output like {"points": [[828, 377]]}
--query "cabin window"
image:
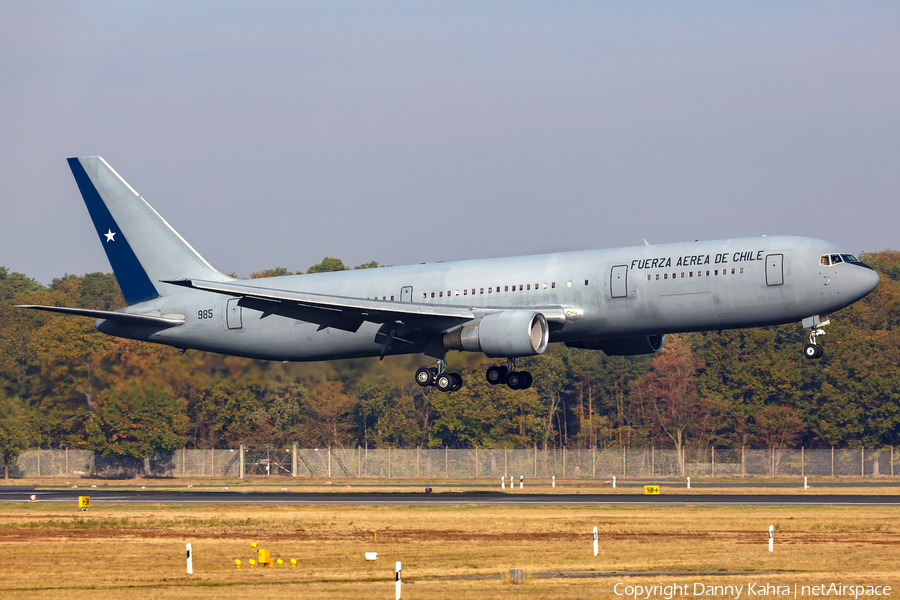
{"points": [[707, 273], [665, 275], [742, 269], [392, 298], [473, 291], [481, 290], [489, 290], [585, 282], [521, 287], [536, 286], [457, 293], [657, 276], [545, 286], [528, 287], [432, 294], [441, 294], [716, 272], [732, 271], [465, 292], [648, 278], [553, 285], [569, 283], [424, 294], [691, 274], [682, 274]]}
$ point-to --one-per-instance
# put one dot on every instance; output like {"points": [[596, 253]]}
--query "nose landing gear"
{"points": [[813, 349], [516, 380], [439, 378]]}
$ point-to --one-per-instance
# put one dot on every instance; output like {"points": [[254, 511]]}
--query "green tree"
{"points": [[15, 284], [276, 272], [16, 431], [136, 422], [328, 265], [368, 265]]}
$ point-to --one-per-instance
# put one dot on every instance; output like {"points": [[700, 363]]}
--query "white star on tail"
{"points": [[110, 235]]}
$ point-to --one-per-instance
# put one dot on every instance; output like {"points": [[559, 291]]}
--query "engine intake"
{"points": [[642, 344], [507, 334]]}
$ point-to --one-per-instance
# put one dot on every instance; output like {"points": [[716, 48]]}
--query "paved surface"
{"points": [[98, 496]]}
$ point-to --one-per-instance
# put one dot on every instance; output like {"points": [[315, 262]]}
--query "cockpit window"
{"points": [[825, 261], [849, 258], [836, 258]]}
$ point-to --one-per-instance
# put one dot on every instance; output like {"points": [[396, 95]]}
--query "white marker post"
{"points": [[771, 538], [398, 581], [190, 560], [805, 484], [689, 483], [596, 546], [521, 481], [614, 482], [554, 481], [503, 482]]}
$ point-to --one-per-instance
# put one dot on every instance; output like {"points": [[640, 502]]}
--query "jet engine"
{"points": [[642, 344], [507, 334]]}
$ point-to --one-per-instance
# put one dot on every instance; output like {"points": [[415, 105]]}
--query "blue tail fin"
{"points": [[141, 247]]}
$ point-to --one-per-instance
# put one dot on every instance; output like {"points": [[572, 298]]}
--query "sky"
{"points": [[275, 134]]}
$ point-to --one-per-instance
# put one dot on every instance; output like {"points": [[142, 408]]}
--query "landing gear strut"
{"points": [[813, 349], [516, 380], [439, 377]]}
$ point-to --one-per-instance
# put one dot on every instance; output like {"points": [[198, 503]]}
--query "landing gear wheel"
{"points": [[425, 377], [444, 382], [515, 380], [820, 351], [496, 375], [528, 380], [812, 351], [457, 382]]}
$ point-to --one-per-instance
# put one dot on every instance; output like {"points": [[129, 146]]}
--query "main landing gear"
{"points": [[516, 380], [439, 378]]}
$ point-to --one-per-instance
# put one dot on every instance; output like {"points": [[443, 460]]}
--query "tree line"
{"points": [[62, 383]]}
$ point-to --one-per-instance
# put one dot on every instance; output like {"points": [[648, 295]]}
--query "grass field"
{"points": [[55, 551]]}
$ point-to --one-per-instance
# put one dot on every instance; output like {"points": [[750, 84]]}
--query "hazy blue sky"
{"points": [[274, 134]]}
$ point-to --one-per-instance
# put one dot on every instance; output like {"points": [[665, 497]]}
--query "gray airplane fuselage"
{"points": [[603, 294]]}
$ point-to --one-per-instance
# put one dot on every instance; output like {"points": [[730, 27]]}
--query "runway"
{"points": [[98, 497]]}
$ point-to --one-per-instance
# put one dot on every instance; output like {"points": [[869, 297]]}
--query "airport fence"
{"points": [[473, 463]]}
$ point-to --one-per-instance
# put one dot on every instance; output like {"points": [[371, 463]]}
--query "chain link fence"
{"points": [[474, 463]]}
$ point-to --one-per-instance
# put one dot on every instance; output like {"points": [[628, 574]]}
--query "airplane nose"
{"points": [[866, 281]]}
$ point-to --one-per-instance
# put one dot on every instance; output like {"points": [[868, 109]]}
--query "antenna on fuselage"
{"points": [[646, 243]]}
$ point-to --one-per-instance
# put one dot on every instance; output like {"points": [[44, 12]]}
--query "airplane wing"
{"points": [[339, 312], [131, 319]]}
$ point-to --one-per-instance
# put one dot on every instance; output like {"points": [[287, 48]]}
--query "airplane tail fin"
{"points": [[141, 247]]}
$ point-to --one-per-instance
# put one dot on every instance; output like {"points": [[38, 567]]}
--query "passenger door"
{"points": [[774, 269], [406, 293], [618, 281], [233, 314]]}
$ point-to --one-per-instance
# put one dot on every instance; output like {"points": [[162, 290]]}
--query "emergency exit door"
{"points": [[774, 269], [618, 281], [406, 294]]}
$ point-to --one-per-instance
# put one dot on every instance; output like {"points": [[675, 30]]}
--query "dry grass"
{"points": [[53, 551]]}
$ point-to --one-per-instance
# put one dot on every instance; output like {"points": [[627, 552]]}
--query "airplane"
{"points": [[620, 301]]}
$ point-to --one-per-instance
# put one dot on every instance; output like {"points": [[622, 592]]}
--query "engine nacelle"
{"points": [[507, 334], [642, 344]]}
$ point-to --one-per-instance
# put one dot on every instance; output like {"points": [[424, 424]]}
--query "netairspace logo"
{"points": [[674, 590]]}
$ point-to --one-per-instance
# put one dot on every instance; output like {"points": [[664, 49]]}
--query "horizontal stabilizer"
{"points": [[111, 315]]}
